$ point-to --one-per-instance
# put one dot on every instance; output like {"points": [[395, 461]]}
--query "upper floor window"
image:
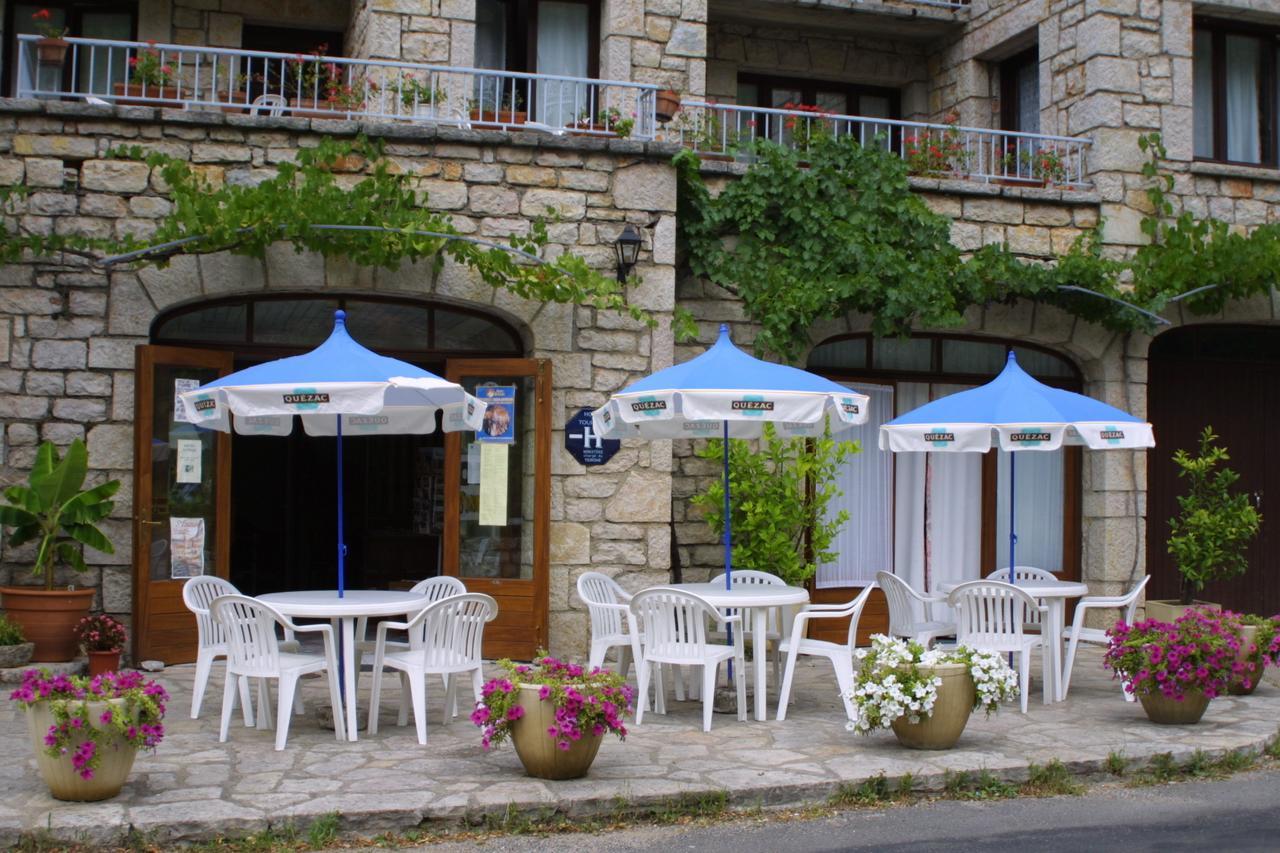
{"points": [[1020, 92], [96, 19], [758, 90], [1234, 70]]}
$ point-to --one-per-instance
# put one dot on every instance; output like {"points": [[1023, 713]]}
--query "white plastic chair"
{"points": [[610, 619], [902, 620], [773, 623], [840, 654], [198, 594], [1024, 574], [675, 634], [273, 105], [990, 616], [434, 589], [445, 638], [1077, 633], [254, 651]]}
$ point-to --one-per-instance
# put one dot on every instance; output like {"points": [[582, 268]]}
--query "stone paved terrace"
{"points": [[196, 788]]}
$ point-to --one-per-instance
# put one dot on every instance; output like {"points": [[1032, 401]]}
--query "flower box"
{"points": [[131, 95], [496, 118]]}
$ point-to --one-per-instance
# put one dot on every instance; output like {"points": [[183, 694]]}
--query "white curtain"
{"points": [[1202, 104], [1244, 141], [908, 495], [1038, 501], [564, 49], [864, 544]]}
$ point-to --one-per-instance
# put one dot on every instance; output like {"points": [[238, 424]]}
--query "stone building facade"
{"points": [[1104, 70]]}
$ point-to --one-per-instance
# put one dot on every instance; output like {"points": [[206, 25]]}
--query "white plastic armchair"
{"points": [[773, 622], [675, 633], [434, 589], [272, 105], [1077, 633], [1024, 574], [990, 616], [607, 605], [840, 654], [902, 619], [254, 651], [445, 638]]}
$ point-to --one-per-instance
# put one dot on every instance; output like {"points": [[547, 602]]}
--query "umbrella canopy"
{"points": [[1019, 413], [724, 388], [339, 387], [725, 393]]}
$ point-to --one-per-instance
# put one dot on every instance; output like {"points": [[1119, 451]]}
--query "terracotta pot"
{"points": [[538, 751], [48, 618], [951, 711], [100, 662], [12, 657], [1170, 712], [1247, 681], [59, 774], [496, 118], [581, 129], [1169, 611], [239, 103], [667, 104], [52, 51], [157, 96], [314, 108]]}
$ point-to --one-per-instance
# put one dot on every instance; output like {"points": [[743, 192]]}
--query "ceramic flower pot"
{"points": [[538, 751], [59, 774], [16, 655], [52, 51], [1170, 611], [48, 618], [131, 95], [103, 662], [1247, 681], [667, 105], [1171, 712], [951, 711]]}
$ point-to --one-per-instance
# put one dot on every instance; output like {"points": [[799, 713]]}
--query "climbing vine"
{"points": [[843, 232], [342, 198]]}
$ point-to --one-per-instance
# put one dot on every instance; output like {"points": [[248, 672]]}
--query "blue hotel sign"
{"points": [[584, 444]]}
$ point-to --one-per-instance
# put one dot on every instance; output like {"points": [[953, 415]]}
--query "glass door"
{"points": [[182, 499], [498, 483]]}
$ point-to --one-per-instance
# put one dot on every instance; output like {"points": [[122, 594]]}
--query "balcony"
{"points": [[728, 132], [260, 83]]}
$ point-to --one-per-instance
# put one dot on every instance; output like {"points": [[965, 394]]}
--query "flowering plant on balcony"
{"points": [[100, 633], [41, 18], [586, 702], [303, 77], [137, 719], [610, 119], [147, 68], [1049, 164], [937, 151], [804, 129], [340, 95], [419, 93], [1196, 653]]}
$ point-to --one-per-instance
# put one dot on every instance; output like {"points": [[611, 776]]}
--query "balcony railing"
{"points": [[725, 131], [263, 83]]}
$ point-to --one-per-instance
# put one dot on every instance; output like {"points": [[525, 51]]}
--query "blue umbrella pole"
{"points": [[728, 539], [342, 545], [1013, 514]]}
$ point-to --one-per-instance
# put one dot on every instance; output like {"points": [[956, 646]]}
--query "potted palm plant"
{"points": [[60, 516], [1211, 534]]}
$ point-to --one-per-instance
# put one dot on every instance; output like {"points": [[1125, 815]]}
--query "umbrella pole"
{"points": [[728, 540], [1013, 536], [342, 545]]}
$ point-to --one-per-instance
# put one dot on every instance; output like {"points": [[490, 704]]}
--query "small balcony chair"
{"points": [[254, 651], [840, 654], [902, 619], [445, 638], [990, 616], [675, 634], [1077, 633]]}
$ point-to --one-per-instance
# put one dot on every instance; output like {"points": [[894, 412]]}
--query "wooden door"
{"points": [[181, 500], [498, 499]]}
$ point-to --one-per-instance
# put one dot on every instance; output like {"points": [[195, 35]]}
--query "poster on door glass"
{"points": [[186, 547], [499, 414]]}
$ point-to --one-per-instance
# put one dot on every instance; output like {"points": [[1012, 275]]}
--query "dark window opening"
{"points": [[1020, 92], [111, 19], [1235, 92]]}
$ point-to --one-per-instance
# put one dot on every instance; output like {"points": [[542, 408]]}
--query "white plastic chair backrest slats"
{"points": [[251, 633], [198, 595], [990, 614], [1022, 573], [595, 588], [675, 623], [450, 631], [439, 587], [897, 594], [750, 577]]}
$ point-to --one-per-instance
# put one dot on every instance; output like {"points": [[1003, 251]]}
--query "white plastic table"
{"points": [[1054, 595], [758, 598], [343, 614]]}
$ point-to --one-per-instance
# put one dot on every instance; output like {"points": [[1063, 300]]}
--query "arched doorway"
{"points": [[1226, 376], [261, 510]]}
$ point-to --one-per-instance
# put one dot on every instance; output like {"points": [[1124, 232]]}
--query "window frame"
{"points": [[522, 35], [75, 11], [809, 87], [1009, 68], [1268, 91]]}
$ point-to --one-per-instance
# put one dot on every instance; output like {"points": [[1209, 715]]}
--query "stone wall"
{"points": [[219, 23], [68, 329]]}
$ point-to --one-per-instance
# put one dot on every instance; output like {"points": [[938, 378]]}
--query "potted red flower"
{"points": [[52, 47], [102, 639], [150, 77]]}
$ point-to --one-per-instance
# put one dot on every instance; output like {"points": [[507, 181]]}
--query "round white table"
{"points": [[343, 614], [758, 598], [1053, 595]]}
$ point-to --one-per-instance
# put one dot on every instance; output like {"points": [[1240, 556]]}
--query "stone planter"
{"points": [[59, 774], [12, 657], [103, 662], [1169, 611], [48, 618], [1170, 712], [1247, 681], [951, 711], [538, 751]]}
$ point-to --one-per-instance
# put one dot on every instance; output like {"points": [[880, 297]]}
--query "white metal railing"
{"points": [[727, 131], [313, 86]]}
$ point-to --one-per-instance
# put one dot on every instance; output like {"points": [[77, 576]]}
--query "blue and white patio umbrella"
{"points": [[1020, 413], [725, 393], [338, 388]]}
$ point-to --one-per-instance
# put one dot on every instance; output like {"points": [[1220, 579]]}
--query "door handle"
{"points": [[1257, 499], [144, 521]]}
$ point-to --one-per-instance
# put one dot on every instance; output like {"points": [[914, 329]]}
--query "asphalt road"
{"points": [[1238, 814]]}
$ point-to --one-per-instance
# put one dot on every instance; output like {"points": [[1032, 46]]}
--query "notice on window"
{"points": [[493, 484], [473, 463], [189, 450], [186, 547], [181, 386], [499, 403]]}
